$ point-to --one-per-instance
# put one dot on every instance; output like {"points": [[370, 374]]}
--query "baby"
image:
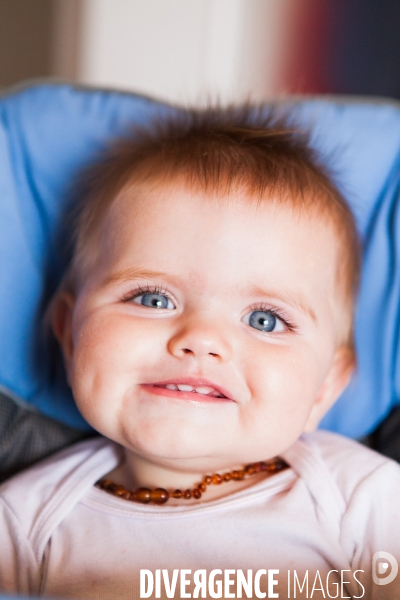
{"points": [[206, 326]]}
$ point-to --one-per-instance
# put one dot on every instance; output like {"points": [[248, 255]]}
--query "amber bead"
{"points": [[121, 492], [126, 495], [142, 495], [227, 476], [176, 494], [250, 470], [196, 493], [118, 490], [113, 487], [202, 487], [187, 494], [216, 479], [159, 496], [207, 479]]}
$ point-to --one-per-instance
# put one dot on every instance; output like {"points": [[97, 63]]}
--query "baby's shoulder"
{"points": [[46, 490], [340, 452], [348, 464]]}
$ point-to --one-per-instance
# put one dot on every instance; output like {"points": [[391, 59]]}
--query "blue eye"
{"points": [[154, 301], [264, 320]]}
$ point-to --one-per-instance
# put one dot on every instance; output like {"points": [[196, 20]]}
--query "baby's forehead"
{"points": [[300, 211], [152, 208]]}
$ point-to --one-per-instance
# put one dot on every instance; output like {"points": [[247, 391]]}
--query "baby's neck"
{"points": [[136, 472]]}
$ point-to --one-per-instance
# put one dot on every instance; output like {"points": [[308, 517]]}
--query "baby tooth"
{"points": [[184, 388], [171, 386], [204, 390]]}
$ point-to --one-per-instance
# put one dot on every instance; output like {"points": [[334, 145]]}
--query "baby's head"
{"points": [[206, 316]]}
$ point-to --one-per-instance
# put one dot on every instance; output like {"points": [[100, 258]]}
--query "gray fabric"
{"points": [[386, 438], [27, 436]]}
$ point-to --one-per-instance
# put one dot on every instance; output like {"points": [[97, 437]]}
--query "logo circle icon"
{"points": [[380, 568]]}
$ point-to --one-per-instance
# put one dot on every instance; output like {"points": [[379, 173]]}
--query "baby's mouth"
{"points": [[205, 390], [190, 388]]}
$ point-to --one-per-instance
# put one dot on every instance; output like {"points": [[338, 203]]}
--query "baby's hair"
{"points": [[220, 151]]}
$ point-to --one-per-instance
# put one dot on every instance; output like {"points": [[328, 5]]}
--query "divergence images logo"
{"points": [[380, 566]]}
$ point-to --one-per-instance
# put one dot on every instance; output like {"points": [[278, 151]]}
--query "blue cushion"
{"points": [[49, 131]]}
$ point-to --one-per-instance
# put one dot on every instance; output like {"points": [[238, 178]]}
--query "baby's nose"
{"points": [[200, 339]]}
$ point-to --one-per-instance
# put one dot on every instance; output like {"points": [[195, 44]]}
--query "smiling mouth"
{"points": [[187, 391]]}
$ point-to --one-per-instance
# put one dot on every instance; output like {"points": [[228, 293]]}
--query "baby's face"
{"points": [[206, 334]]}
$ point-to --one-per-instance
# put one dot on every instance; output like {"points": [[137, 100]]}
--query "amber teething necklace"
{"points": [[160, 495]]}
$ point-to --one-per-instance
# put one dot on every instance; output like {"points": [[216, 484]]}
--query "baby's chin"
{"points": [[177, 451], [194, 454]]}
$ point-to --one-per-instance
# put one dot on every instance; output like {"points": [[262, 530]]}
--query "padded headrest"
{"points": [[49, 131]]}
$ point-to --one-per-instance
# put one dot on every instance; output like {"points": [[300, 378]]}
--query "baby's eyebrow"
{"points": [[294, 299], [135, 273]]}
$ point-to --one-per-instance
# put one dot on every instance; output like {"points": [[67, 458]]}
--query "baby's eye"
{"points": [[264, 320], [154, 301]]}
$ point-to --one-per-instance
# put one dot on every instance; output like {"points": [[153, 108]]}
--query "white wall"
{"points": [[183, 50]]}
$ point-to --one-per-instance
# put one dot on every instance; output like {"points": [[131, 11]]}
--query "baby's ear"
{"points": [[61, 323], [333, 385]]}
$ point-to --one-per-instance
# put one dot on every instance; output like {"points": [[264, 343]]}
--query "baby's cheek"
{"points": [[99, 362], [286, 379]]}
